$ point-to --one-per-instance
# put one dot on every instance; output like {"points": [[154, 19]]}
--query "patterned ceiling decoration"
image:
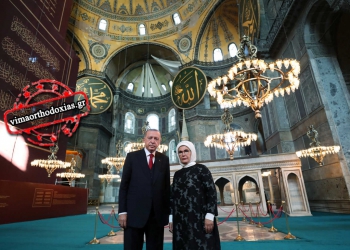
{"points": [[184, 44], [250, 18], [98, 51], [218, 31], [122, 28], [159, 25], [130, 15]]}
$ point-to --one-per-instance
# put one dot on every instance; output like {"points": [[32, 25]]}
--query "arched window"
{"points": [[232, 48], [129, 123], [102, 25], [172, 122], [176, 18], [170, 83], [172, 151], [217, 55], [163, 86], [153, 121], [142, 29], [130, 87]]}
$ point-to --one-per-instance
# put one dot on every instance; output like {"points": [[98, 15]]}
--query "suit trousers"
{"points": [[134, 237]]}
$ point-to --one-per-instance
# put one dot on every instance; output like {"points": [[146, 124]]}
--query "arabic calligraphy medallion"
{"points": [[189, 87], [99, 93]]}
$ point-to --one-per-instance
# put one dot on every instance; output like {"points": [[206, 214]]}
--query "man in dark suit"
{"points": [[144, 195]]}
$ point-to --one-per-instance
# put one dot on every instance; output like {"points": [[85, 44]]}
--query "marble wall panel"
{"points": [[329, 189], [204, 152], [292, 109], [309, 91], [287, 147], [280, 114]]}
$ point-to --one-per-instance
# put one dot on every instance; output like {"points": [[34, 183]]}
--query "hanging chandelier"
{"points": [[116, 162], [71, 175], [134, 146], [248, 83], [231, 139], [51, 164], [109, 177], [316, 151]]}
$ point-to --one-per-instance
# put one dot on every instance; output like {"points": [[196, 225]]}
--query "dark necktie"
{"points": [[150, 163]]}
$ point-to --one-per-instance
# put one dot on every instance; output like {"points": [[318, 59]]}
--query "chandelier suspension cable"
{"points": [[316, 151], [71, 175], [231, 139], [116, 162], [51, 164]]}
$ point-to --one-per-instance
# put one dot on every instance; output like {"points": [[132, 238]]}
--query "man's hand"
{"points": [[208, 225], [122, 220], [171, 227]]}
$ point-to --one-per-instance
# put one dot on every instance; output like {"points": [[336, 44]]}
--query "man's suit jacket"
{"points": [[139, 190]]}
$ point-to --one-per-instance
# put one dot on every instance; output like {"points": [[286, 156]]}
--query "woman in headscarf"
{"points": [[193, 204]]}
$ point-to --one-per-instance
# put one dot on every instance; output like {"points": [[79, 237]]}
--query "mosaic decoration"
{"points": [[159, 25], [123, 10], [159, 35], [184, 44], [216, 38], [156, 15], [115, 6], [139, 10], [146, 4], [162, 3], [98, 51], [106, 6], [140, 110], [227, 34], [191, 7], [250, 18], [207, 39], [131, 6], [84, 16], [155, 7], [122, 28]]}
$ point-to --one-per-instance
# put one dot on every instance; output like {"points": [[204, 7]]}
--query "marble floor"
{"points": [[228, 230]]}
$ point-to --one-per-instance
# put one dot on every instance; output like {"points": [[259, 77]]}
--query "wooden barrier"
{"points": [[23, 201]]}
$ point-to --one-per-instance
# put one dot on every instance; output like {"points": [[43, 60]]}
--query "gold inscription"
{"points": [[42, 197], [3, 204], [31, 39], [19, 55], [13, 76], [49, 6]]}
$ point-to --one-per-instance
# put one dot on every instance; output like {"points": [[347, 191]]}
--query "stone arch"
{"points": [[222, 182], [246, 195], [295, 193]]}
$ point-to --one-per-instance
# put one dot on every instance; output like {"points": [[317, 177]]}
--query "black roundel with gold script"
{"points": [[189, 87], [99, 93]]}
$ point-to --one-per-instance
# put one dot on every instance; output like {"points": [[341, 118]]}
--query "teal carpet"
{"points": [[320, 231]]}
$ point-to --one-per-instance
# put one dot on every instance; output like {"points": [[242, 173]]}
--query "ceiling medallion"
{"points": [[184, 44], [98, 50]]}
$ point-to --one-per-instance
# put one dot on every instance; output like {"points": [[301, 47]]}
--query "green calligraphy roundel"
{"points": [[189, 87], [99, 93]]}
